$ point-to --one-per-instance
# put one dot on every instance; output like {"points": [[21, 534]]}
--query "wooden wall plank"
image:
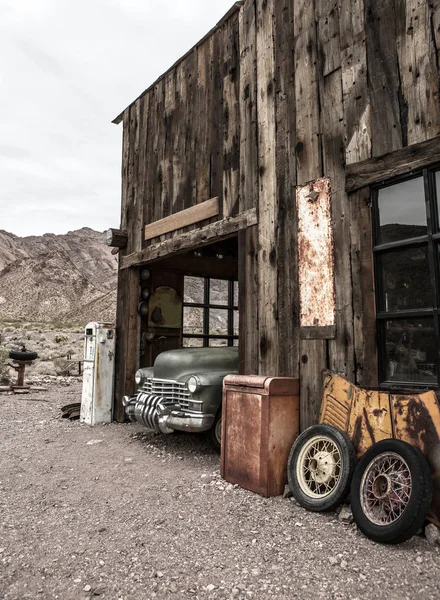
{"points": [[357, 109], [363, 289], [340, 349], [231, 112], [248, 300], [189, 216], [418, 69], [121, 339], [287, 287], [248, 108], [309, 160], [313, 353], [204, 100], [267, 200], [387, 113], [217, 118], [248, 192]]}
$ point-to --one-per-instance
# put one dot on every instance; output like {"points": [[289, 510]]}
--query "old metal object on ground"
{"points": [[260, 424], [368, 416]]}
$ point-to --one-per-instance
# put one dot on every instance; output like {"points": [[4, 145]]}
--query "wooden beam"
{"points": [[400, 162], [200, 266], [192, 239], [189, 216]]}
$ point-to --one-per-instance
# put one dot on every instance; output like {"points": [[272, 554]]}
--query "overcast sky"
{"points": [[67, 68]]}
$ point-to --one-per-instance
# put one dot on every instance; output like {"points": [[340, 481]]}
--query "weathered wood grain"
{"points": [[189, 216], [308, 151], [248, 300], [313, 353], [267, 197], [248, 192], [285, 113], [400, 162], [248, 108], [418, 69], [192, 239], [231, 114], [388, 115], [341, 355], [362, 269], [357, 107]]}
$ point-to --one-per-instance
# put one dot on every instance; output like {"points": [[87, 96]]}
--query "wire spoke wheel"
{"points": [[386, 488], [391, 491], [320, 467]]}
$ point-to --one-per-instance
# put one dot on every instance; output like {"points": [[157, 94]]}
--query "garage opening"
{"points": [[190, 300]]}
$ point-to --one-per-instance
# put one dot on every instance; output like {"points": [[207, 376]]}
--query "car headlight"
{"points": [[193, 384], [138, 377]]}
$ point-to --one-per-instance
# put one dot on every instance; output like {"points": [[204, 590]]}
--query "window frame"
{"points": [[432, 241], [206, 305]]}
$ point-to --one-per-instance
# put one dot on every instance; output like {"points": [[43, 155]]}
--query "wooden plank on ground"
{"points": [[192, 239], [190, 216]]}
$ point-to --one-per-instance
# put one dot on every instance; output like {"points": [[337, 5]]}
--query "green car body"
{"points": [[183, 390]]}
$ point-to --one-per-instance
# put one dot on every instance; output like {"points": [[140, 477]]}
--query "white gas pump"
{"points": [[98, 373]]}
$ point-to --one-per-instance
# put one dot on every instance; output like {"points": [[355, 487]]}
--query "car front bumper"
{"points": [[159, 414]]}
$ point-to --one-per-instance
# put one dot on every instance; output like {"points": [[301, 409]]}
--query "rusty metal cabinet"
{"points": [[260, 424]]}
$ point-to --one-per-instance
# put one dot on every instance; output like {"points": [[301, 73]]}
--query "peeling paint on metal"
{"points": [[315, 254]]}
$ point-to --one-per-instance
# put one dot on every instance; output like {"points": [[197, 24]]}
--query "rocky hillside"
{"points": [[68, 279]]}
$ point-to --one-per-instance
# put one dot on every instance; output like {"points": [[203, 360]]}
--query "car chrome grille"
{"points": [[168, 389]]}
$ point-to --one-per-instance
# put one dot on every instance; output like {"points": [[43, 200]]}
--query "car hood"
{"points": [[178, 364]]}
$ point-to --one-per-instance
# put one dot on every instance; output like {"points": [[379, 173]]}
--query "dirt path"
{"points": [[139, 516]]}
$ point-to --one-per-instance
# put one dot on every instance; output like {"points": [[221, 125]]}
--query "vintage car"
{"points": [[183, 391]]}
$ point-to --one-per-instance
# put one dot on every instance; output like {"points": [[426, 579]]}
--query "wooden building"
{"points": [[293, 117]]}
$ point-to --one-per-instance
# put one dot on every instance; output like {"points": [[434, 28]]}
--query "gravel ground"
{"points": [[116, 512]]}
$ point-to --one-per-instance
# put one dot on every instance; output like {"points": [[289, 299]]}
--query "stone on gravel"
{"points": [[210, 587], [94, 442], [287, 492], [432, 534], [345, 515], [333, 560], [87, 588]]}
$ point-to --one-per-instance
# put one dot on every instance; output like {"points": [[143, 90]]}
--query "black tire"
{"points": [[374, 498], [24, 356], [313, 494], [214, 434]]}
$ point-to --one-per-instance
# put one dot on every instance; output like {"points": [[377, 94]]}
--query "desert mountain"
{"points": [[68, 279]]}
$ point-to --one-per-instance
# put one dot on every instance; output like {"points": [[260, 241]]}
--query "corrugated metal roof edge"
{"points": [[236, 7]]}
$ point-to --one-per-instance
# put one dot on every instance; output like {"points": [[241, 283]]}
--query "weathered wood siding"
{"points": [[281, 93], [183, 137]]}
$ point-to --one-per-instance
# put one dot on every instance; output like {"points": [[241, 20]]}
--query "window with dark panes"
{"points": [[406, 249], [210, 312]]}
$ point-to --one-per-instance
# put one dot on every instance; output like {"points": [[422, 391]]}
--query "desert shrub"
{"points": [[61, 338]]}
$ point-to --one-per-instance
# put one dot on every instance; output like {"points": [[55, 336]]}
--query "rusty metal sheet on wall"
{"points": [[315, 255]]}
